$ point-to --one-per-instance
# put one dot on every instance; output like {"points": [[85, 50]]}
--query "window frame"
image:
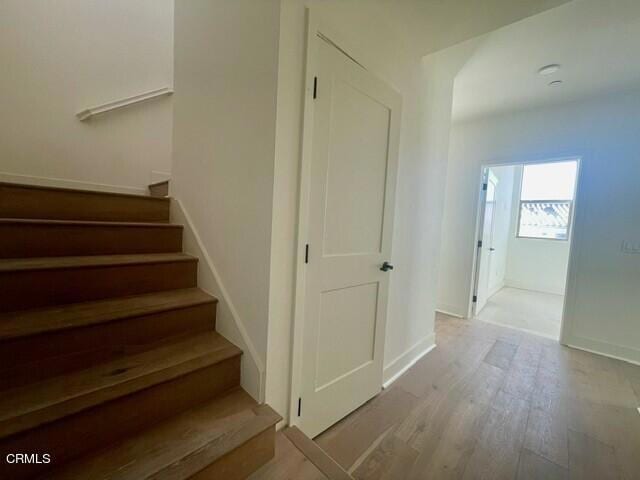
{"points": [[520, 202], [519, 225]]}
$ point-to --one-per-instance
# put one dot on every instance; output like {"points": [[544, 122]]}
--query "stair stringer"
{"points": [[228, 321]]}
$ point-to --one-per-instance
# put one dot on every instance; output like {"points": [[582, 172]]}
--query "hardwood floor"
{"points": [[494, 403], [297, 457], [288, 464]]}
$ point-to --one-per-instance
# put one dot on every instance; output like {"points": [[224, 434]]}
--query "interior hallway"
{"points": [[494, 403], [535, 312]]}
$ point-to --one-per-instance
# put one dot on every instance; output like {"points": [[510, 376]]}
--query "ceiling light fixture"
{"points": [[555, 83], [549, 69]]}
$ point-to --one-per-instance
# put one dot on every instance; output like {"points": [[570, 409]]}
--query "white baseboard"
{"points": [[617, 352], [228, 320], [511, 327], [158, 176], [453, 310], [450, 314], [67, 183], [509, 283], [405, 361], [497, 289]]}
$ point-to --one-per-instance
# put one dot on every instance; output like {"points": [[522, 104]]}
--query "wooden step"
{"points": [[71, 415], [37, 344], [226, 438], [53, 238], [32, 406], [40, 282], [32, 201], [159, 189]]}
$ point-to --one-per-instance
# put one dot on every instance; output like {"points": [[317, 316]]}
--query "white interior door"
{"points": [[352, 189], [486, 251], [496, 248]]}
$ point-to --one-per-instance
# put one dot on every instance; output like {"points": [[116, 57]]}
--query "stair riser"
{"points": [[159, 189], [83, 432], [25, 240], [40, 288], [244, 460], [30, 359], [31, 202]]}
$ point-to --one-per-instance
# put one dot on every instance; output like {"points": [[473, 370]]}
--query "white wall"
{"points": [[228, 181], [226, 67], [602, 309], [60, 57], [533, 263], [539, 265], [376, 43]]}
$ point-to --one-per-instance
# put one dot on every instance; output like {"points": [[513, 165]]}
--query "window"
{"points": [[546, 200]]}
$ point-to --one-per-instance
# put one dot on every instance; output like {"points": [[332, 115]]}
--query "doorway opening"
{"points": [[524, 244]]}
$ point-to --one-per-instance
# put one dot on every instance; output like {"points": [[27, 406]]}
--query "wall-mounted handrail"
{"points": [[125, 102]]}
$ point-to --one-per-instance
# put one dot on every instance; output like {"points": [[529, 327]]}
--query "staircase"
{"points": [[109, 359]]}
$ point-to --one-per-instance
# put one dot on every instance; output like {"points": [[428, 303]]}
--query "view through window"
{"points": [[546, 200]]}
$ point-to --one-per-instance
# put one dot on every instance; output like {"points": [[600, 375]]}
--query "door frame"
{"points": [[574, 245], [317, 31], [486, 178]]}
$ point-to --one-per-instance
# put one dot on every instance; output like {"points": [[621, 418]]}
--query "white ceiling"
{"points": [[433, 25], [597, 43], [426, 26]]}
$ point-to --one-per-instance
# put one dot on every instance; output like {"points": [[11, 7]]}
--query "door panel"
{"points": [[352, 191], [357, 172], [486, 252], [352, 312]]}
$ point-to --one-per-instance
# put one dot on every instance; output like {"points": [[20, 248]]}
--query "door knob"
{"points": [[492, 249], [386, 266]]}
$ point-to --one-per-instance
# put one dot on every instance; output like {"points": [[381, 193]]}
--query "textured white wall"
{"points": [[60, 57]]}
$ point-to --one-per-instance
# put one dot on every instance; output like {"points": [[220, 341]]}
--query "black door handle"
{"points": [[492, 249], [386, 266]]}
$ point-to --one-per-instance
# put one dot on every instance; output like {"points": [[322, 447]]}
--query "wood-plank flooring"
{"points": [[494, 403], [289, 463]]}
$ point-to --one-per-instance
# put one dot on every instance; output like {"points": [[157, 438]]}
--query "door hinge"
{"points": [[315, 87], [479, 243], [484, 185], [299, 406], [306, 253], [475, 299]]}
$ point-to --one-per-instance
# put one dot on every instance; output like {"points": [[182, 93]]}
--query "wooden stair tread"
{"points": [[34, 322], [87, 223], [83, 191], [33, 405], [46, 263], [34, 201], [110, 360], [180, 447], [37, 238]]}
